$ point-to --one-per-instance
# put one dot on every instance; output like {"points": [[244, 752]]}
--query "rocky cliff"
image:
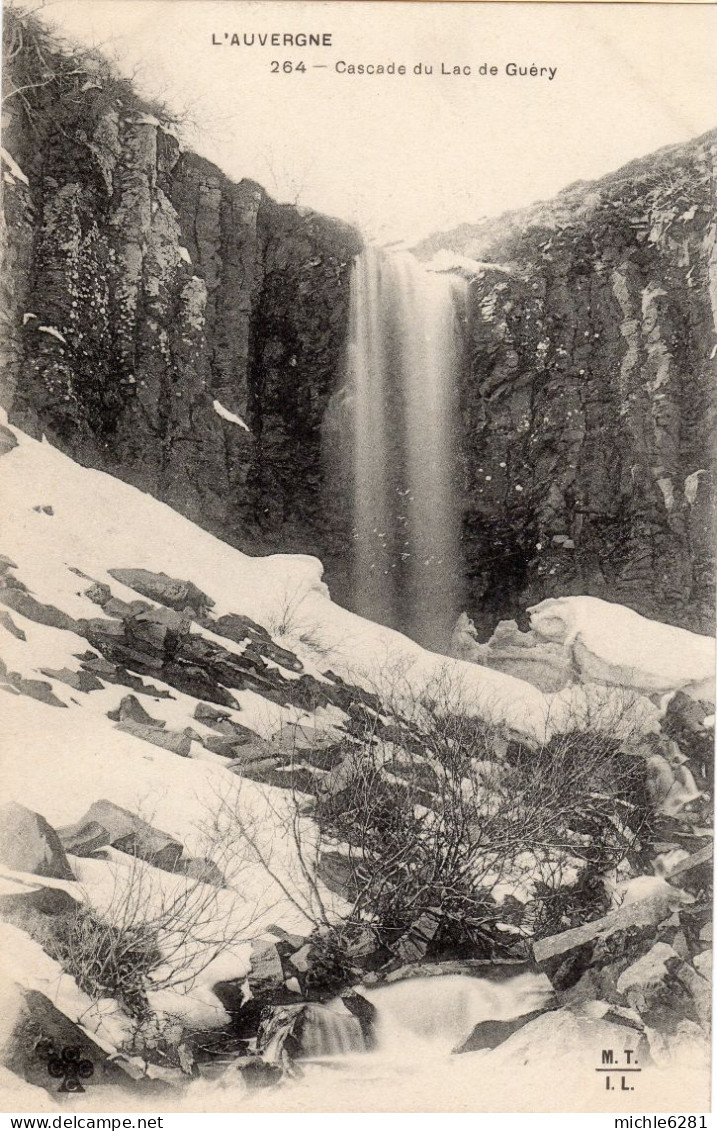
{"points": [[145, 290], [587, 401]]}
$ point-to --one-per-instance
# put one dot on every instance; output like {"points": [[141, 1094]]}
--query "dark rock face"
{"points": [[587, 401], [144, 286]]}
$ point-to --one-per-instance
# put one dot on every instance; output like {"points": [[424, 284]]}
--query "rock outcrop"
{"points": [[587, 401], [160, 321]]}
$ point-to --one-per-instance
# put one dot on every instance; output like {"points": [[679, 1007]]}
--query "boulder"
{"points": [[194, 680], [28, 843], [199, 868], [34, 689], [490, 1034], [261, 770], [275, 654], [665, 990], [129, 833], [225, 747], [670, 782], [649, 971], [287, 942], [47, 1048], [210, 716], [123, 610], [176, 741], [300, 959], [27, 900], [99, 593], [568, 1037], [338, 873], [366, 1014], [266, 972], [131, 710], [299, 737], [699, 989], [327, 758], [8, 440], [231, 729], [34, 610], [702, 963], [115, 673], [340, 777], [161, 628], [238, 628], [104, 630], [550, 953], [80, 681], [243, 630], [414, 944], [84, 839], [697, 866], [169, 591], [255, 1072], [9, 625]]}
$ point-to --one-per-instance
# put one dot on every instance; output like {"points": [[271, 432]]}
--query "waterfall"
{"points": [[311, 1031], [431, 1016], [329, 1033], [404, 352]]}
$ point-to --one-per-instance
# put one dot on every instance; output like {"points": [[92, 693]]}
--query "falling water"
{"points": [[330, 1033], [432, 1016], [404, 351]]}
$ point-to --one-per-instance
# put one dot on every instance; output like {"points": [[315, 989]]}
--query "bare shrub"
{"points": [[154, 930], [436, 815], [63, 86]]}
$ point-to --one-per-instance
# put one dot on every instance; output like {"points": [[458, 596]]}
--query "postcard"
{"points": [[357, 568]]}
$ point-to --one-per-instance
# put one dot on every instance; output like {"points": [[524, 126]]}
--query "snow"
{"points": [[692, 485], [15, 171], [53, 332], [27, 966], [227, 415], [446, 260], [615, 645], [101, 523], [147, 120]]}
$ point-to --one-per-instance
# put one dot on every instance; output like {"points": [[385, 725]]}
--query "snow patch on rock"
{"points": [[230, 416]]}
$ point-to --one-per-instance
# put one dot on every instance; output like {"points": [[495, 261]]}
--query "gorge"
{"points": [[145, 285]]}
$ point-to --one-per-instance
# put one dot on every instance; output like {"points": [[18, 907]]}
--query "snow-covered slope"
{"points": [[99, 523], [64, 528], [71, 536]]}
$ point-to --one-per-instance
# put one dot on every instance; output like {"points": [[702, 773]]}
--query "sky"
{"points": [[403, 156]]}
